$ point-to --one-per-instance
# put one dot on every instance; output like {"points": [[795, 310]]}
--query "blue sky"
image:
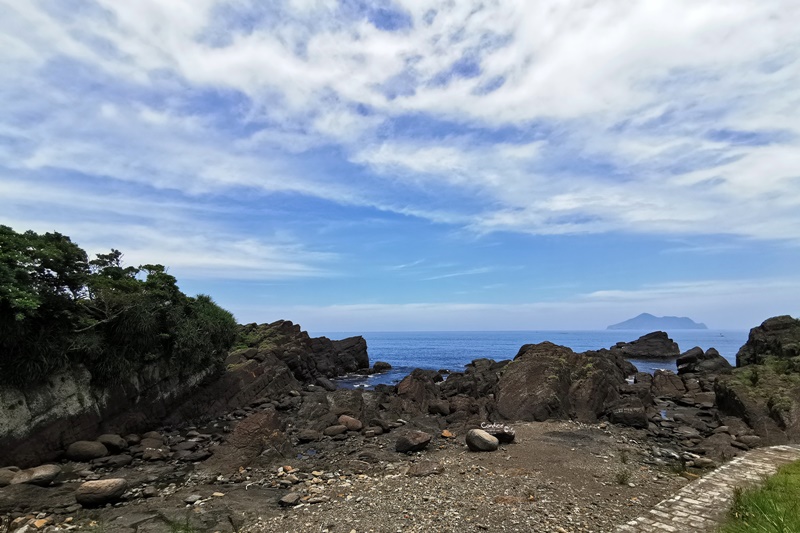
{"points": [[418, 165]]}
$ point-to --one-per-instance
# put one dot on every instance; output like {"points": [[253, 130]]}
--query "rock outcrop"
{"points": [[764, 389], [549, 381], [655, 345], [775, 337], [696, 361]]}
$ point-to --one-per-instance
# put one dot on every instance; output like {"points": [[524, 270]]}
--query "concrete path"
{"points": [[704, 503]]}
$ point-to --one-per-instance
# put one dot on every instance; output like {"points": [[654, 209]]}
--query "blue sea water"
{"points": [[451, 350]]}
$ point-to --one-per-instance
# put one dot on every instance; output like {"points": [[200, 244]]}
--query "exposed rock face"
{"points": [[69, 407], [306, 357], [696, 361], [764, 389], [550, 381], [260, 434], [278, 358], [655, 345], [419, 387], [775, 337]]}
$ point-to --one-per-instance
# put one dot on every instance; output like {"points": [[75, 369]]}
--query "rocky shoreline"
{"points": [[580, 442]]}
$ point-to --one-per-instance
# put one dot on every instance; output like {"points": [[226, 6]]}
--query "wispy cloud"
{"points": [[733, 304], [470, 272], [581, 117], [304, 140]]}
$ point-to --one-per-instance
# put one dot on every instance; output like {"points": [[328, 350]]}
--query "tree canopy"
{"points": [[58, 308]]}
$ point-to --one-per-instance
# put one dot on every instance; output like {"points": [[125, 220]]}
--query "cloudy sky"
{"points": [[418, 164]]}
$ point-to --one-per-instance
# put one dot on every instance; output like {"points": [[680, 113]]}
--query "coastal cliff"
{"points": [[39, 421]]}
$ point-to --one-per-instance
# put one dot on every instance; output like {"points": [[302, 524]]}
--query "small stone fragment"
{"points": [[291, 499], [193, 499]]}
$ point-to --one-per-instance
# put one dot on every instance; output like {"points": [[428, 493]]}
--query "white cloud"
{"points": [[180, 235], [616, 105]]}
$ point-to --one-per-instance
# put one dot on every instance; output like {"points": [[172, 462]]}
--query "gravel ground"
{"points": [[557, 476]]}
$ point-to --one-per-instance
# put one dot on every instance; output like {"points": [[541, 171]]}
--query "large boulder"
{"points": [[86, 450], [695, 361], [629, 412], [479, 440], [100, 492], [352, 424], [775, 337], [655, 345]]}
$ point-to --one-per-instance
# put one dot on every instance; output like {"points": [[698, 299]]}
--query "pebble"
{"points": [[193, 499]]}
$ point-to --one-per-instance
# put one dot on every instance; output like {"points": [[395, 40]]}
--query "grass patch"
{"points": [[771, 508], [623, 457], [622, 477]]}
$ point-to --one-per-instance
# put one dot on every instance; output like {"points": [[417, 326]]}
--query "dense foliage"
{"points": [[57, 307]]}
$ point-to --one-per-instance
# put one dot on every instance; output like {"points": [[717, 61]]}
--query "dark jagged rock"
{"points": [[775, 337], [764, 389], [273, 360], [667, 384], [412, 441], [550, 381], [696, 361], [655, 345], [737, 399], [478, 380], [628, 412], [419, 388]]}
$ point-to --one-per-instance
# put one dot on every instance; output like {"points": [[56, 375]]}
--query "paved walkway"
{"points": [[703, 504]]}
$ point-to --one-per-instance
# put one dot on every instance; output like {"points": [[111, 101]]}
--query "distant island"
{"points": [[646, 321]]}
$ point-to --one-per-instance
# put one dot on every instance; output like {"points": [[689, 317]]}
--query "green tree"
{"points": [[42, 278], [57, 308]]}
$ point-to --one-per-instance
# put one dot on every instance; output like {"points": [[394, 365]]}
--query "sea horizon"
{"points": [[453, 350]]}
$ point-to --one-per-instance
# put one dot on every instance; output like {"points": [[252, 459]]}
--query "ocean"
{"points": [[451, 350]]}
